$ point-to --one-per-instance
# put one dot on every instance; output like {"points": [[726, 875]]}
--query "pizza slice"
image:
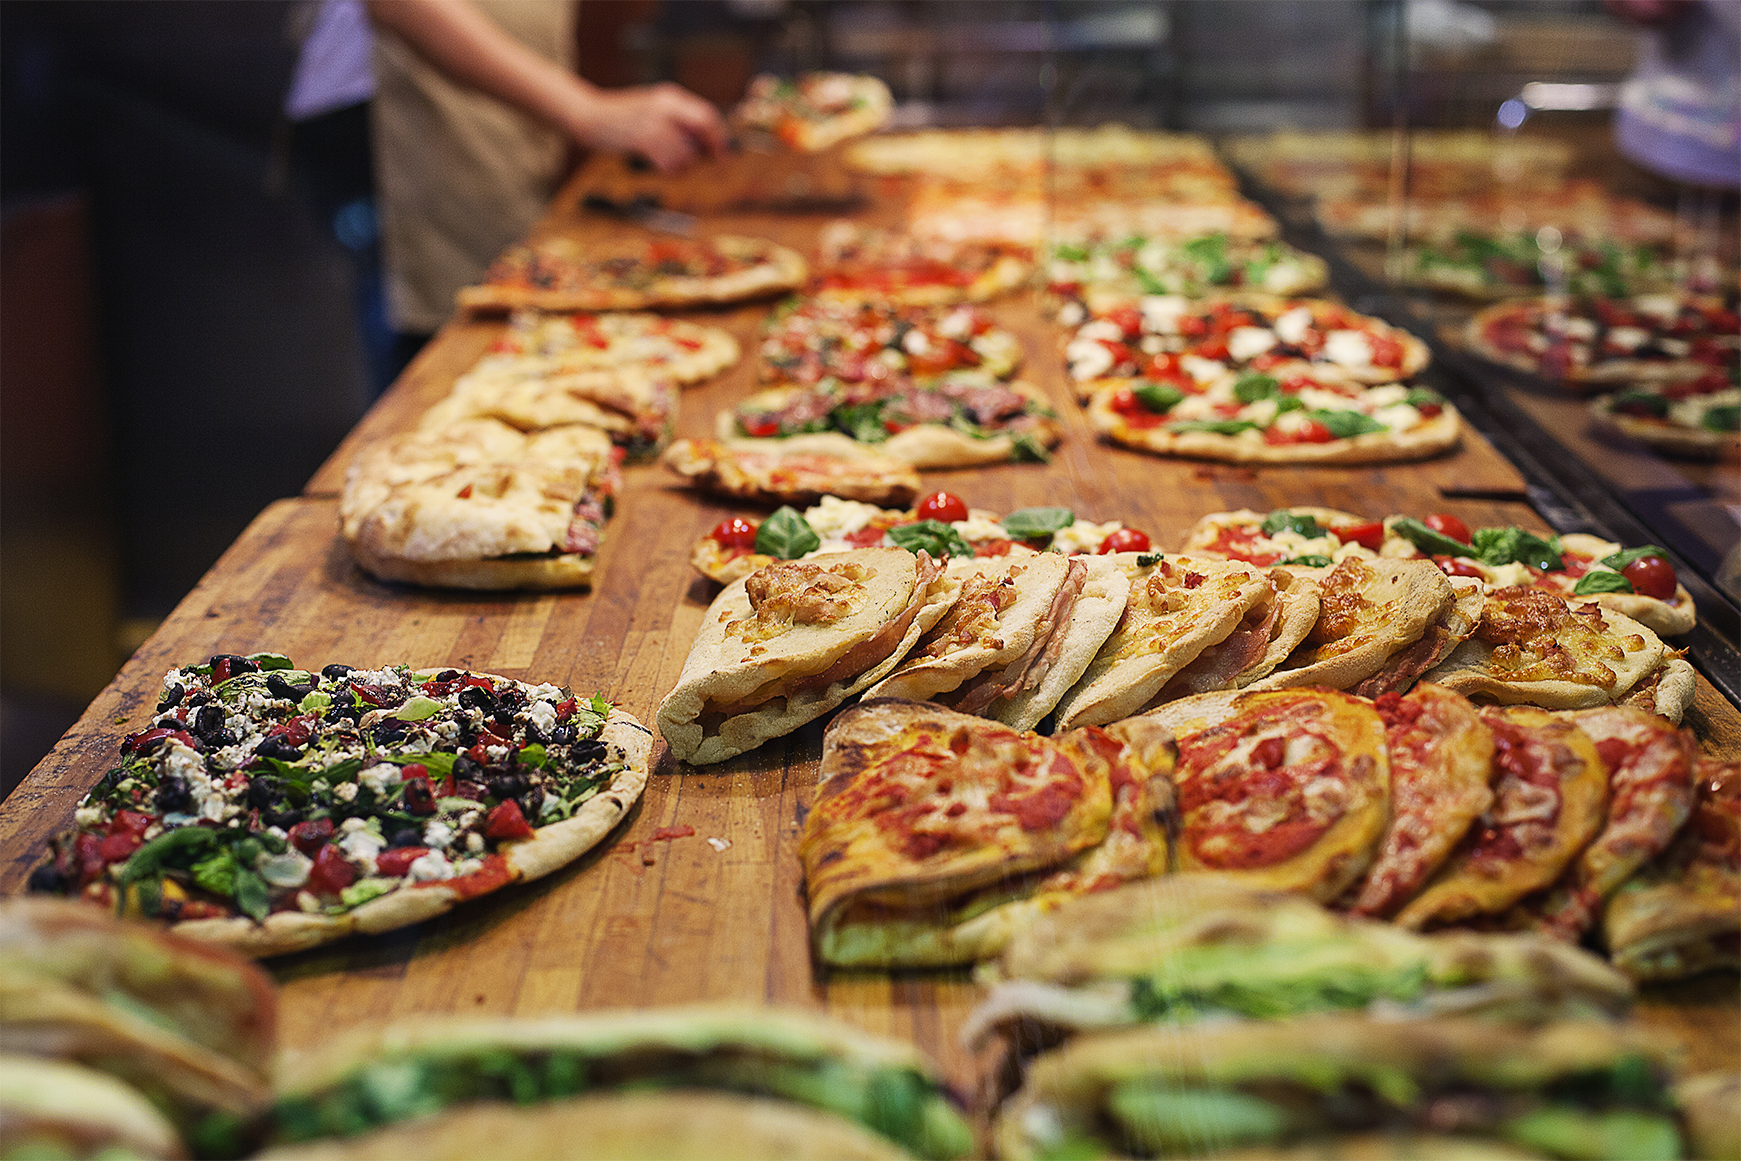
{"points": [[1534, 648], [1681, 914], [537, 343], [813, 111], [1550, 795], [793, 640], [272, 809], [1456, 625], [868, 264], [798, 470], [1176, 608], [1698, 419], [632, 405], [845, 342], [1369, 611], [1270, 630], [634, 273], [935, 835], [479, 505], [1490, 264], [1441, 770]]}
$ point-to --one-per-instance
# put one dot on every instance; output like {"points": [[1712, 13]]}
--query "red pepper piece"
{"points": [[330, 873], [398, 860], [129, 822], [419, 796], [505, 821], [309, 837]]}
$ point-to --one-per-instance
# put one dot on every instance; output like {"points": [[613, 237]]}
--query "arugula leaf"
{"points": [[1251, 388], [1029, 523], [1347, 424], [1619, 560], [1601, 581], [1727, 418], [786, 535], [317, 700], [1215, 426], [1282, 520], [270, 661], [934, 536], [1515, 546], [1430, 542], [1158, 397], [862, 421]]}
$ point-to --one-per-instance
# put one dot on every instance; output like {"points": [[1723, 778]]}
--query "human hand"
{"points": [[665, 123]]}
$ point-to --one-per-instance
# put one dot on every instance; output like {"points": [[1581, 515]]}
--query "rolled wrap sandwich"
{"points": [[412, 1069], [793, 640], [1573, 1089]]}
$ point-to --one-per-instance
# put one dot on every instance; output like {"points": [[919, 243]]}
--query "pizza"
{"points": [[812, 111], [479, 505], [992, 155], [843, 344], [1270, 630], [1579, 207], [1442, 162], [1681, 915], [935, 835], [867, 264], [1030, 215], [1181, 342], [1648, 338], [800, 470], [634, 273], [1550, 796], [1534, 648], [1699, 418], [538, 343], [1441, 769], [632, 405], [1488, 264], [793, 640], [273, 809], [1293, 414], [1176, 607], [1651, 786], [1639, 583], [940, 523], [1134, 266], [953, 422]]}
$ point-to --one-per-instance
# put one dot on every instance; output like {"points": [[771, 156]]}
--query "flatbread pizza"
{"points": [[800, 469], [845, 343], [632, 405], [813, 111], [1698, 419], [867, 264], [1206, 264], [1649, 338], [362, 800], [677, 351]]}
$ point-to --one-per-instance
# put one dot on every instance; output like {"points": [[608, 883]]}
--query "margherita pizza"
{"points": [[1134, 266], [1484, 265], [819, 343], [541, 344], [1651, 338], [273, 809], [812, 111], [563, 273], [865, 264], [1699, 419]]}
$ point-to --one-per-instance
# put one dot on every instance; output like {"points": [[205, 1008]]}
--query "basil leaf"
{"points": [[1287, 403], [1422, 397], [1515, 546], [933, 536], [1150, 283], [1430, 542], [1311, 560], [1727, 418], [1251, 388], [1347, 424], [786, 535], [862, 421], [1029, 523], [1158, 397], [1282, 520], [180, 848], [1147, 559], [1214, 426], [1210, 252], [1601, 581], [1071, 253], [1619, 560]]}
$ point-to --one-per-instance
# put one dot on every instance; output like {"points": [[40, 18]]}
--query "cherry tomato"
{"points": [[1651, 576], [1368, 536], [309, 837], [1447, 525], [330, 873], [942, 506], [1125, 540], [394, 860], [993, 547], [119, 847], [1457, 566], [506, 821], [129, 822], [1315, 432], [735, 532]]}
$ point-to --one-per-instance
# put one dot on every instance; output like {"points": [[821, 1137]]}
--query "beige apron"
{"points": [[458, 175]]}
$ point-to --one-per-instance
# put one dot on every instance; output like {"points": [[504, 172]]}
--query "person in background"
{"points": [[475, 109], [1680, 110]]}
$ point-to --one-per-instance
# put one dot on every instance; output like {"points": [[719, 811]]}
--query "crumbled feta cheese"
{"points": [[541, 714], [88, 816], [1249, 342], [381, 777], [361, 845], [437, 834], [474, 842], [346, 792], [431, 867]]}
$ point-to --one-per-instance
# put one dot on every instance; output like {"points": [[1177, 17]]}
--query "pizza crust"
{"points": [[1675, 439], [550, 848], [1436, 435], [1469, 670]]}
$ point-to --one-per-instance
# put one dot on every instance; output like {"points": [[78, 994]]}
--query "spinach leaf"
{"points": [[1720, 419], [1430, 542], [1515, 546], [1601, 581], [180, 848], [270, 661], [1158, 397], [1029, 523], [1282, 520], [786, 535], [533, 756], [862, 421], [1251, 388], [933, 536], [1347, 424], [253, 897]]}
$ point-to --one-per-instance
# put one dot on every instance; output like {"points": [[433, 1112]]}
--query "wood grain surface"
{"points": [[644, 920]]}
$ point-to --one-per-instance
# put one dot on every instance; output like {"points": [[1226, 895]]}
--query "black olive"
{"points": [[209, 720], [221, 738], [562, 735], [339, 712], [278, 687], [506, 786], [504, 717], [335, 672], [533, 800], [534, 734], [47, 880], [238, 665], [264, 790], [464, 767], [448, 675], [389, 730], [587, 750], [281, 817], [173, 795], [168, 722], [171, 698], [277, 747], [408, 837], [478, 698], [199, 697], [466, 738], [513, 696]]}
